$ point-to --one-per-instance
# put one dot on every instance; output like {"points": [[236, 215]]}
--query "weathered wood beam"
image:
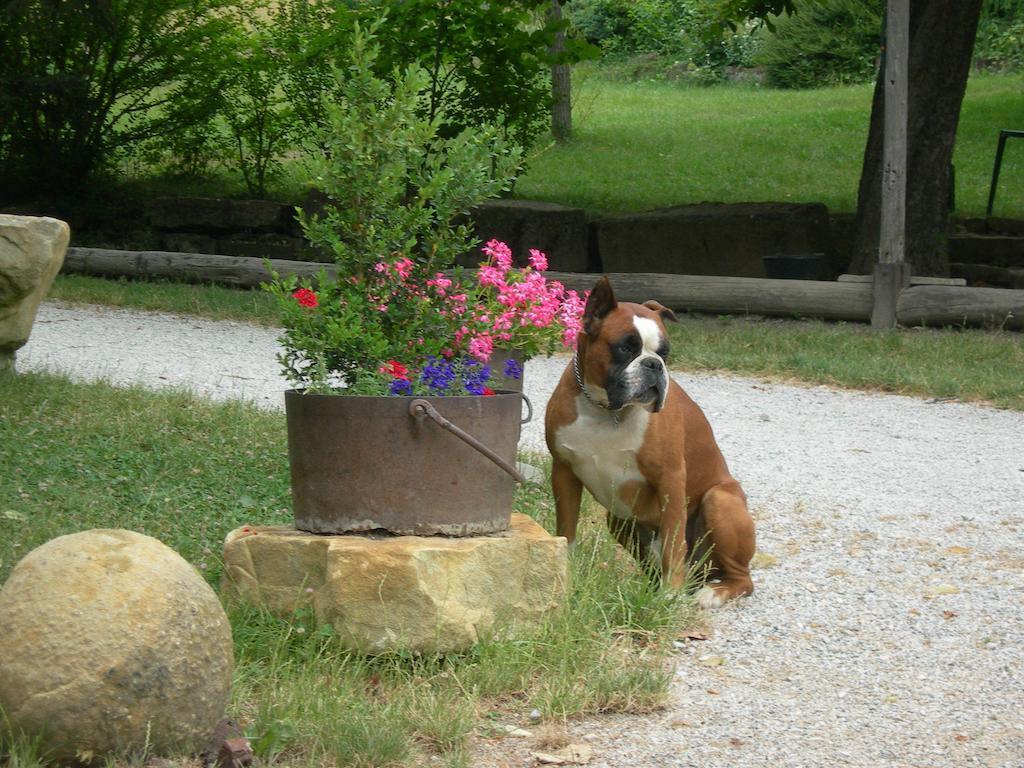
{"points": [[239, 271], [934, 305], [939, 305], [737, 295], [891, 273]]}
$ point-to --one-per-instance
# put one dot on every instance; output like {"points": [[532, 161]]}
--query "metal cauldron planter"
{"points": [[416, 466]]}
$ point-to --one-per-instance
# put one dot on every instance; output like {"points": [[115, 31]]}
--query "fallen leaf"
{"points": [[958, 550], [512, 730], [573, 754], [763, 560], [712, 691], [945, 589], [962, 737], [711, 661], [693, 635], [11, 514], [949, 614], [736, 742]]}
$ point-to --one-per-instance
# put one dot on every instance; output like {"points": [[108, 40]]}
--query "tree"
{"points": [[561, 83], [941, 42], [81, 80]]}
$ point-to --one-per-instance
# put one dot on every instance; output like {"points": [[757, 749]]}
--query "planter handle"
{"points": [[419, 408], [529, 409]]}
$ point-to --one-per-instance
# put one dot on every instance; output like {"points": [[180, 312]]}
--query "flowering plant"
{"points": [[390, 320], [401, 329]]}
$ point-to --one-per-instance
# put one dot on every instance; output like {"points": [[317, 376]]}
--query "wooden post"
{"points": [[561, 88], [892, 273]]}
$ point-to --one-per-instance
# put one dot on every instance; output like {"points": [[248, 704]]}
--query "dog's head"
{"points": [[623, 349]]}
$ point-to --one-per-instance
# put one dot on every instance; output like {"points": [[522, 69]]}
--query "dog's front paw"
{"points": [[709, 597]]}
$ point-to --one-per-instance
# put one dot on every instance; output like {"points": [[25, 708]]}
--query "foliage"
{"points": [[486, 63], [687, 36], [827, 42], [81, 80], [396, 198], [1000, 41], [258, 114]]}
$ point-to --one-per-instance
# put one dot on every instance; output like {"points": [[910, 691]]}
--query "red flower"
{"points": [[395, 369], [488, 392], [306, 297]]}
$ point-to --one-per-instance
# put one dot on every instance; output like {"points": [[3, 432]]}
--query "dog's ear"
{"points": [[600, 302], [661, 309]]}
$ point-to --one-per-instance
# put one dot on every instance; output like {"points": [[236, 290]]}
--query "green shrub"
{"points": [[487, 63], [826, 42], [393, 187], [1000, 41], [673, 35], [82, 80]]}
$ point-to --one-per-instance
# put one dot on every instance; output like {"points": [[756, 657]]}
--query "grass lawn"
{"points": [[187, 471], [969, 364], [648, 145]]}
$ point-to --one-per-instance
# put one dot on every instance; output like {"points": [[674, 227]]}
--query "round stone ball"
{"points": [[110, 641]]}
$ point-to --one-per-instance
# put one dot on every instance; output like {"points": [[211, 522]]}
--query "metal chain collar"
{"points": [[583, 389]]}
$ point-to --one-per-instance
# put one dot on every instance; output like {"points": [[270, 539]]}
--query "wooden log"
{"points": [[238, 271], [938, 305], [918, 305], [737, 295]]}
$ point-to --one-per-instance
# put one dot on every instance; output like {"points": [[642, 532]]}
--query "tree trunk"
{"points": [[941, 43], [561, 105]]}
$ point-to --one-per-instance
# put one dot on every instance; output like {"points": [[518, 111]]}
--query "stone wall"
{"points": [[705, 239], [714, 238]]}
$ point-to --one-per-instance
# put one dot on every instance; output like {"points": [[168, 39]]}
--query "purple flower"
{"points": [[401, 387], [475, 376], [438, 374], [513, 370]]}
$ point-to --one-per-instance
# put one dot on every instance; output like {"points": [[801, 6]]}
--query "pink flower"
{"points": [[380, 267], [500, 254], [538, 260], [404, 267], [481, 347]]}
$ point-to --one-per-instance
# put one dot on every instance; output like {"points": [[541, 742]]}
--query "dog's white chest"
{"points": [[603, 454]]}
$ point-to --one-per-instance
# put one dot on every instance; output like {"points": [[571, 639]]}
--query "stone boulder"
{"points": [[421, 594], [558, 231], [31, 253], [713, 238], [112, 641]]}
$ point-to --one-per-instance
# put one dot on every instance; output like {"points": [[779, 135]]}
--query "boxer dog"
{"points": [[619, 426]]}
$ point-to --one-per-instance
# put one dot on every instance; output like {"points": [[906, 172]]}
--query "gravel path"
{"points": [[887, 628]]}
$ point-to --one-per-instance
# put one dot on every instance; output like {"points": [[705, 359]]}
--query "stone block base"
{"points": [[422, 594]]}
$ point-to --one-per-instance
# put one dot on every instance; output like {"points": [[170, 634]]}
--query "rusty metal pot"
{"points": [[408, 465]]}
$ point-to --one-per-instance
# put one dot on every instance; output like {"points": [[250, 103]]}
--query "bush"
{"points": [[396, 193], [81, 81], [1000, 41], [488, 63], [826, 42], [672, 33]]}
